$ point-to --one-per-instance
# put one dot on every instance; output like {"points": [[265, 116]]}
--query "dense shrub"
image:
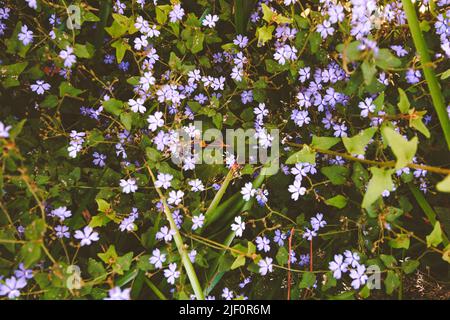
{"points": [[100, 200]]}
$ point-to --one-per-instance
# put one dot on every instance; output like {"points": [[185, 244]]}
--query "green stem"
{"points": [[155, 289], [430, 77], [426, 207], [190, 271], [219, 195]]}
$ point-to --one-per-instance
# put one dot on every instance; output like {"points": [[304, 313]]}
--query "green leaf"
{"points": [[338, 201], [194, 39], [120, 26], [360, 176], [386, 60], [96, 269], [403, 149], [415, 121], [84, 50], [123, 263], [369, 70], [409, 266], [218, 120], [268, 14], [282, 256], [435, 237], [17, 129], [401, 242], [403, 103], [50, 101], [99, 220], [444, 185], [239, 262], [381, 180], [127, 120], [391, 282], [357, 144], [308, 280], [162, 13], [446, 254], [304, 155], [10, 74], [35, 230], [30, 253], [113, 106], [110, 256], [445, 74], [264, 34], [121, 48], [66, 89], [379, 102], [388, 260], [336, 174], [103, 206], [324, 143]]}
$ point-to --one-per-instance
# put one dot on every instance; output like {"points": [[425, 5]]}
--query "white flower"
{"points": [[137, 105], [117, 294], [4, 131], [40, 87], [263, 244], [196, 185], [325, 29], [175, 197], [140, 43], [128, 185], [309, 234], [317, 222], [238, 226], [366, 107], [87, 236], [153, 32], [265, 266], [155, 121], [68, 57], [12, 287], [210, 21], [192, 255], [25, 35], [32, 4], [146, 81], [163, 180], [165, 233], [171, 274], [62, 231], [358, 275], [73, 150], [338, 266], [299, 171], [237, 74], [351, 258], [227, 294], [296, 189], [141, 24], [157, 258], [177, 13], [247, 191], [61, 212], [198, 221], [128, 224], [194, 76]]}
